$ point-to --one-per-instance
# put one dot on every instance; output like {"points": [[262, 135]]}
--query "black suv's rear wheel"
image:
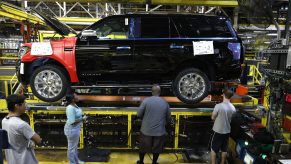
{"points": [[191, 86], [49, 83]]}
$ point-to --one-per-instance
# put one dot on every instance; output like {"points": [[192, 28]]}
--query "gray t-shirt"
{"points": [[224, 112], [19, 134], [155, 113]]}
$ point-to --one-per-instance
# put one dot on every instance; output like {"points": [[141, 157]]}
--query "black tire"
{"points": [[190, 74], [53, 78]]}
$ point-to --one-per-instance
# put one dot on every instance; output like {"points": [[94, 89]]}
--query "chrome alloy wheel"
{"points": [[48, 84], [191, 86]]}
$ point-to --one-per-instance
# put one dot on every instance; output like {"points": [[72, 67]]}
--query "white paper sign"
{"points": [[22, 68], [41, 49], [203, 47]]}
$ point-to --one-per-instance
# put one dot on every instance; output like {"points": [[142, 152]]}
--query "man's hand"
{"points": [[85, 117], [36, 138]]}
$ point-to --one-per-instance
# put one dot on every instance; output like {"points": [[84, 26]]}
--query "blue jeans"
{"points": [[73, 137]]}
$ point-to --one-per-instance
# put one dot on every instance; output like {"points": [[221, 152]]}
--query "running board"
{"points": [[119, 86]]}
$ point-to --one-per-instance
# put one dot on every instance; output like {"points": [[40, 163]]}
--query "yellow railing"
{"points": [[9, 58], [16, 13], [13, 83], [256, 74], [129, 114]]}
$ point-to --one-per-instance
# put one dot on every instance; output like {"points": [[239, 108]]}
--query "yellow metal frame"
{"points": [[61, 110], [253, 102], [3, 106], [5, 78], [6, 88], [9, 58], [13, 83], [256, 74], [7, 68], [46, 34], [16, 13], [267, 93], [78, 19], [287, 137], [9, 82], [129, 115]]}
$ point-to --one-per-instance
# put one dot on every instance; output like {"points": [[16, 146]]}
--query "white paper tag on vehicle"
{"points": [[41, 49], [203, 48], [21, 68]]}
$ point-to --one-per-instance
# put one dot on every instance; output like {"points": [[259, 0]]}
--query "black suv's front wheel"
{"points": [[191, 85], [49, 83]]}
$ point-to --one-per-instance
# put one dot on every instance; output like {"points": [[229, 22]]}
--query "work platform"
{"points": [[7, 72], [117, 127], [114, 127]]}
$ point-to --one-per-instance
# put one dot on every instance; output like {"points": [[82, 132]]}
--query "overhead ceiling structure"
{"points": [[230, 3], [17, 13], [85, 12]]}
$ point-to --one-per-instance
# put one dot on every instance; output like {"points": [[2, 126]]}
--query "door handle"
{"points": [[123, 48], [172, 46]]}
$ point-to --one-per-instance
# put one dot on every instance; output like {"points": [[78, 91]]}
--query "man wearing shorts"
{"points": [[221, 115], [155, 113]]}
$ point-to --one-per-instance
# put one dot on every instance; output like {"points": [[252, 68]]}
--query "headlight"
{"points": [[22, 51]]}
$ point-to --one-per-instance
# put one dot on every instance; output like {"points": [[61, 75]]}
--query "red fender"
{"points": [[66, 58]]}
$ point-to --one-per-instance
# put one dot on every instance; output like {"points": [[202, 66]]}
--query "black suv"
{"points": [[181, 52]]}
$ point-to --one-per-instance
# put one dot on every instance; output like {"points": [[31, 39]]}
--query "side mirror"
{"points": [[89, 33]]}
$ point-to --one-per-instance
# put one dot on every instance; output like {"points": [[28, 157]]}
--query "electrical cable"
{"points": [[149, 156]]}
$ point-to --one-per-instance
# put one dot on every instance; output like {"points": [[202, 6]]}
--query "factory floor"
{"points": [[60, 157]]}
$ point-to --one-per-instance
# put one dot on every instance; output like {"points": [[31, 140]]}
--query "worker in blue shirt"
{"points": [[73, 127]]}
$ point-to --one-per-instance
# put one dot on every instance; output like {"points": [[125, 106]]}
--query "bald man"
{"points": [[155, 113]]}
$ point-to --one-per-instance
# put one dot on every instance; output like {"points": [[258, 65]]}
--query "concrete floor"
{"points": [[60, 157]]}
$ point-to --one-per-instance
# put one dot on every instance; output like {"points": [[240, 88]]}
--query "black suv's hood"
{"points": [[54, 23]]}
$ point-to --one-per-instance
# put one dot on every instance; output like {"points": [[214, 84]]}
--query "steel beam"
{"points": [[227, 3], [78, 19], [16, 13]]}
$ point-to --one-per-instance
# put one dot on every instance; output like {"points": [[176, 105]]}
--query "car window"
{"points": [[173, 30], [113, 28], [187, 27], [153, 27], [191, 27], [213, 27]]}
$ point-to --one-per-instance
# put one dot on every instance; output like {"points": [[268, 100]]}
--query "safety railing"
{"points": [[14, 84], [256, 74]]}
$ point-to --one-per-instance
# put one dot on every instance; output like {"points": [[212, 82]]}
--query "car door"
{"points": [[152, 57], [109, 54]]}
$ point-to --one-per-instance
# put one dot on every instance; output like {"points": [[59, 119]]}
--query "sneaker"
{"points": [[139, 162], [81, 162]]}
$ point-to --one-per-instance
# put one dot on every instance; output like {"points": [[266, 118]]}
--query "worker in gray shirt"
{"points": [[21, 137], [222, 115], [155, 114]]}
